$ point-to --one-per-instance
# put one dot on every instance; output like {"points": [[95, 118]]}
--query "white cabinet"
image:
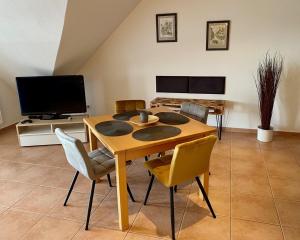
{"points": [[41, 132]]}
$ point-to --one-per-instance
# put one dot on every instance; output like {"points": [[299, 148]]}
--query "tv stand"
{"points": [[49, 117], [41, 132]]}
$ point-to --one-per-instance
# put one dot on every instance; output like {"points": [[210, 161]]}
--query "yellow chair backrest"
{"points": [[122, 106], [191, 159]]}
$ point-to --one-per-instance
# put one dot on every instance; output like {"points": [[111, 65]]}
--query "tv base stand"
{"points": [[49, 117], [41, 132]]}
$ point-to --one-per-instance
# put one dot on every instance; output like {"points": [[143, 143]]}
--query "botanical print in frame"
{"points": [[166, 27], [217, 35]]}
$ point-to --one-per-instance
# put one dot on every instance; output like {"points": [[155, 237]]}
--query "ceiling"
{"points": [[87, 25]]}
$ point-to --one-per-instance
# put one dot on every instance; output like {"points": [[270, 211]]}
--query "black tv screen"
{"points": [[172, 84], [207, 85], [51, 94]]}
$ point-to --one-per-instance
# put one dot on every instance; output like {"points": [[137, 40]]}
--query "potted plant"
{"points": [[267, 82]]}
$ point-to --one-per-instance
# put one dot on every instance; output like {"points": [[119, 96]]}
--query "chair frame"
{"points": [[172, 208], [92, 196]]}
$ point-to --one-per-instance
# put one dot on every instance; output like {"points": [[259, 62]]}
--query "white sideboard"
{"points": [[41, 132]]}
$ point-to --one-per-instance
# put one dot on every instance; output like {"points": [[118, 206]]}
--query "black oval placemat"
{"points": [[156, 133], [125, 116], [172, 118], [114, 128]]}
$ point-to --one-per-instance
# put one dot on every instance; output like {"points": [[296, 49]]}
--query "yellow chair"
{"points": [[122, 106], [189, 160]]}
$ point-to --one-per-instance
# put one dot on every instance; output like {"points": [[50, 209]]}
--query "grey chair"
{"points": [[195, 111], [93, 165]]}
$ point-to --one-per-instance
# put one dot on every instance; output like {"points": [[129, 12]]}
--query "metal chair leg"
{"points": [[90, 205], [109, 180], [146, 160], [172, 212], [149, 189], [130, 193], [221, 127], [71, 188], [218, 125], [175, 188], [205, 196], [219, 119]]}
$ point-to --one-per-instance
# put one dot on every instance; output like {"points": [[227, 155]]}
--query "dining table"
{"points": [[127, 148]]}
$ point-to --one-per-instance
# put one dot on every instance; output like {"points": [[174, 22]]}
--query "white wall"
{"points": [[8, 100], [125, 66], [30, 32], [87, 25]]}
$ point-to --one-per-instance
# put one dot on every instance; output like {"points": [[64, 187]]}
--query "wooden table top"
{"points": [[191, 130]]}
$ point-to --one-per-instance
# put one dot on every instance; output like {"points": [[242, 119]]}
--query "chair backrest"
{"points": [[191, 159], [129, 105], [195, 111], [76, 154]]}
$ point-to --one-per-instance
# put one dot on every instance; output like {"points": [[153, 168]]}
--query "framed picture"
{"points": [[166, 27], [217, 35]]}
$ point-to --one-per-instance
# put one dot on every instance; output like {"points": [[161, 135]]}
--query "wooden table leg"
{"points": [[122, 191], [92, 140]]}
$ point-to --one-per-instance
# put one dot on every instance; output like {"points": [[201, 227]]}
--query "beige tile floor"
{"points": [[254, 189]]}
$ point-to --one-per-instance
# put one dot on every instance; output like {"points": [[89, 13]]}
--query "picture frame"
{"points": [[166, 27], [217, 35]]}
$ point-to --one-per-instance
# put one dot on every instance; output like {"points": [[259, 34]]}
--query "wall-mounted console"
{"points": [[191, 84]]}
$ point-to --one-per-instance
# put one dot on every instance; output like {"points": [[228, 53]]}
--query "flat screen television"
{"points": [[173, 84], [191, 84], [207, 85], [51, 95]]}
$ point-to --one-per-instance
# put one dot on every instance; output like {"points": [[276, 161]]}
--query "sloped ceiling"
{"points": [[87, 25], [30, 33]]}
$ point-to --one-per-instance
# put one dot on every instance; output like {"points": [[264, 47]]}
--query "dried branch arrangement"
{"points": [[267, 82]]}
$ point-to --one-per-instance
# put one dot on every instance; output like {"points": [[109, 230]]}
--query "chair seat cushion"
{"points": [[160, 168], [103, 162], [101, 151]]}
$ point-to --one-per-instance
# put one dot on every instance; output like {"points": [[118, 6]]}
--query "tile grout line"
{"points": [[48, 214], [185, 211], [36, 164], [132, 222], [75, 234], [91, 214], [46, 186], [129, 229], [273, 198], [256, 221], [15, 202], [29, 230]]}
